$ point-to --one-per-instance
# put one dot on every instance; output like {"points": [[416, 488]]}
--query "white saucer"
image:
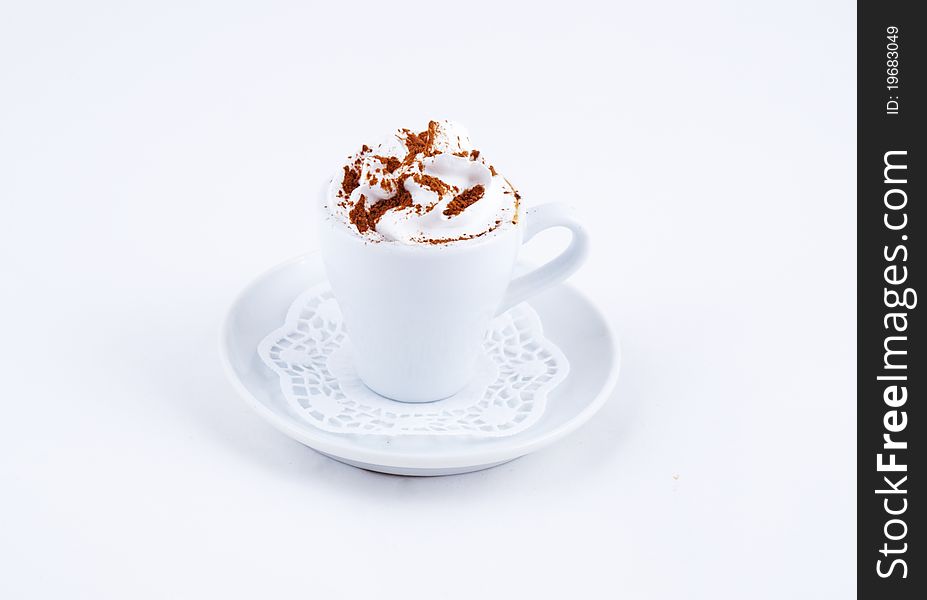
{"points": [[569, 319]]}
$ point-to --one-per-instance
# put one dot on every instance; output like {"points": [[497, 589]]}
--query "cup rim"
{"points": [[340, 228]]}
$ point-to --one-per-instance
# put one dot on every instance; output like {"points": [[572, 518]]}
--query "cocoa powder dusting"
{"points": [[463, 200], [366, 218], [439, 241], [390, 162], [351, 180], [432, 183], [420, 143], [461, 238], [358, 215], [403, 199]]}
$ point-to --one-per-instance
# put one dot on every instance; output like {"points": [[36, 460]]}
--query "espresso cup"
{"points": [[416, 314]]}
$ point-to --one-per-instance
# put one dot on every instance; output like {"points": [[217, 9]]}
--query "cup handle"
{"points": [[537, 219]]}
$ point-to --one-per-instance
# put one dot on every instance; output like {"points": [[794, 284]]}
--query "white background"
{"points": [[156, 157]]}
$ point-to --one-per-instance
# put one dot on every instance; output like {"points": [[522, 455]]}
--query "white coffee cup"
{"points": [[416, 314]]}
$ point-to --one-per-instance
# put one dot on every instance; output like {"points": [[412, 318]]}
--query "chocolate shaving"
{"points": [[463, 200], [474, 154]]}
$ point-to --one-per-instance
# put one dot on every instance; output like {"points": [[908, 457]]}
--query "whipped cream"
{"points": [[431, 187]]}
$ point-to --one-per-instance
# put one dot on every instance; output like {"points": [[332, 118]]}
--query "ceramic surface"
{"points": [[569, 319]]}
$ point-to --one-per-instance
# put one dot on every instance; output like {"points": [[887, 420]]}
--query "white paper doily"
{"points": [[312, 356]]}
